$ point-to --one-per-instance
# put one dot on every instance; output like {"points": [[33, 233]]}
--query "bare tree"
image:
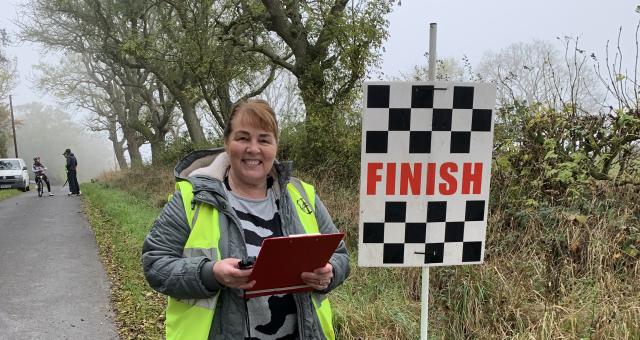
{"points": [[86, 84], [536, 72], [618, 147]]}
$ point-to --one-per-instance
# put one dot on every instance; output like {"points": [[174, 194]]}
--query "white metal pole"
{"points": [[424, 311], [424, 297], [433, 32]]}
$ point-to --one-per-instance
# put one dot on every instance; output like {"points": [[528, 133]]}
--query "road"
{"points": [[52, 283]]}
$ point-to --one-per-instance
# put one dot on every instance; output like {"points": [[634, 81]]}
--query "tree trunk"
{"points": [[133, 148], [157, 146], [191, 119], [119, 152]]}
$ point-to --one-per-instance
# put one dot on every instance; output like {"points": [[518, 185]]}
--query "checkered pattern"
{"points": [[399, 119], [425, 122], [434, 236]]}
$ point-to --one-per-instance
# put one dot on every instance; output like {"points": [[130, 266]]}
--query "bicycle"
{"points": [[40, 184]]}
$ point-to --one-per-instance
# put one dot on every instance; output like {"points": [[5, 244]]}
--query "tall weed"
{"points": [[558, 269]]}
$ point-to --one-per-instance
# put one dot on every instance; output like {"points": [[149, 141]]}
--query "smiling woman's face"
{"points": [[252, 151]]}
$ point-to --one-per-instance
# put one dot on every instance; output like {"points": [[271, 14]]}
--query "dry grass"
{"points": [[558, 272], [151, 184]]}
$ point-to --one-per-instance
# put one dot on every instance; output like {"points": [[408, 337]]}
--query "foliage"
{"points": [[562, 154], [5, 131], [561, 270], [327, 46], [8, 77], [7, 68], [212, 53], [179, 42], [341, 156], [180, 147]]}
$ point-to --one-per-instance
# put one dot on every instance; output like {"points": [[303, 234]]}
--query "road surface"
{"points": [[52, 283]]}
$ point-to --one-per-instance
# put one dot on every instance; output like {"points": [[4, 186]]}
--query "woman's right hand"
{"points": [[227, 273]]}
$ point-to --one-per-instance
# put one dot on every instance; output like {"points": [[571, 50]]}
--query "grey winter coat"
{"points": [[168, 272]]}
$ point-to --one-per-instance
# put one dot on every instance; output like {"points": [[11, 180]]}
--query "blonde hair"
{"points": [[259, 114]]}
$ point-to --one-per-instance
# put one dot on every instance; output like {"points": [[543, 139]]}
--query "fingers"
{"points": [[317, 284], [327, 269], [234, 280], [227, 273], [319, 279], [313, 277], [248, 285]]}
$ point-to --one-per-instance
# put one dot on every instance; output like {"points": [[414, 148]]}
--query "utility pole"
{"points": [[13, 126]]}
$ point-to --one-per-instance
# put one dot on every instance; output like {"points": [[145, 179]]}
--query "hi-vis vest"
{"points": [[192, 319]]}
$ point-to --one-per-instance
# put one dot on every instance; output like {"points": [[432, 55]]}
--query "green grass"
{"points": [[121, 222], [8, 193]]}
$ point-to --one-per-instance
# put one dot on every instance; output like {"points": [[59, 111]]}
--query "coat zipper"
{"points": [[285, 208], [236, 221]]}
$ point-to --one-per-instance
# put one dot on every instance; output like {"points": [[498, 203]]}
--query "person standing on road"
{"points": [[72, 165]]}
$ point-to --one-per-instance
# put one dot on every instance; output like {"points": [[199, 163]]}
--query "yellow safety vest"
{"points": [[191, 319]]}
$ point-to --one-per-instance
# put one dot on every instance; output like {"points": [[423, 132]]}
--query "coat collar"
{"points": [[203, 168]]}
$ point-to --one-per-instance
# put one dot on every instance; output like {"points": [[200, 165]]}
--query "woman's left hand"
{"points": [[320, 278]]}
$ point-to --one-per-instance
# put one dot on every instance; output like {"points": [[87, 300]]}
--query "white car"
{"points": [[14, 174]]}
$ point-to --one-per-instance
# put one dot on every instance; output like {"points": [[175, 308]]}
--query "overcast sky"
{"points": [[465, 27], [472, 27]]}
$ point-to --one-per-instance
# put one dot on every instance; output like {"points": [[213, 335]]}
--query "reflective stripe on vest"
{"points": [[192, 319], [305, 207]]}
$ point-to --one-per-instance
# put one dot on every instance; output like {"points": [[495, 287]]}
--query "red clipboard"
{"points": [[282, 260]]}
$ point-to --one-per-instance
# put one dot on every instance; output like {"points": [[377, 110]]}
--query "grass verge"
{"points": [[120, 222], [558, 271], [372, 304], [8, 193]]}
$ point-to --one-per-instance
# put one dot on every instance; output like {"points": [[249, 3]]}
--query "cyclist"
{"points": [[38, 170]]}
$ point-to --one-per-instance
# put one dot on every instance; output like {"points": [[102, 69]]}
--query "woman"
{"points": [[227, 201]]}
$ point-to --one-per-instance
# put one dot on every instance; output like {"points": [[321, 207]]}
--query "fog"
{"points": [[47, 131]]}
